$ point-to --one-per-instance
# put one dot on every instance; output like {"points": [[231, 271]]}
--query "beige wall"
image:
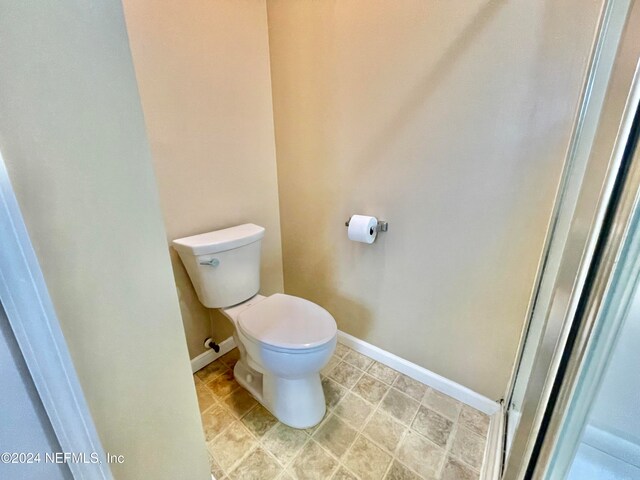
{"points": [[448, 119], [72, 135], [203, 74]]}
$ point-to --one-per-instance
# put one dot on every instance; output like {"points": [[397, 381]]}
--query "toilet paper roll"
{"points": [[362, 228]]}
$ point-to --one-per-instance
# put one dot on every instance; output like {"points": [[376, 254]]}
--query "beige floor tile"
{"points": [[384, 430], [468, 446], [258, 465], [412, 421], [205, 396], [433, 426], [343, 474], [259, 421], [411, 387], [311, 430], [214, 421], [223, 384], [313, 463], [345, 374], [215, 468], [230, 358], [474, 420], [382, 373], [400, 472], [211, 371], [333, 361], [399, 406], [333, 392], [441, 403], [420, 455], [239, 402], [341, 350], [455, 470], [366, 459], [371, 389], [358, 360], [353, 410], [335, 436], [231, 445], [284, 442]]}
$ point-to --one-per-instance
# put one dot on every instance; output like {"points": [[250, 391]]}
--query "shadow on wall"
{"points": [[451, 126], [424, 89], [329, 276], [352, 313], [199, 321]]}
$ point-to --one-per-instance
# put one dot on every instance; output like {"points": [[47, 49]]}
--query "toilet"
{"points": [[284, 341]]}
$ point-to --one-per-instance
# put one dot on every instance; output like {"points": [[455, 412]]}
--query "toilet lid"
{"points": [[288, 322]]}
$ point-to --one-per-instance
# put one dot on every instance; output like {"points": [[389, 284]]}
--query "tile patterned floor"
{"points": [[379, 425]]}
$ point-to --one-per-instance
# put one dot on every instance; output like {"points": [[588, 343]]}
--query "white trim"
{"points": [[614, 445], [412, 370], [492, 462], [512, 424], [209, 356], [26, 302], [438, 382]]}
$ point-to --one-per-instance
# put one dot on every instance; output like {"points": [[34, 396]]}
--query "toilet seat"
{"points": [[285, 322]]}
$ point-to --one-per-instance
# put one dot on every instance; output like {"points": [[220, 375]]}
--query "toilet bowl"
{"points": [[284, 341]]}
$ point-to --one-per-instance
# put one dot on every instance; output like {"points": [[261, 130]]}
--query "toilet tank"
{"points": [[224, 265]]}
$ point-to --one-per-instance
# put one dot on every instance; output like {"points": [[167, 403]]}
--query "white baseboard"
{"points": [[440, 383], [492, 463], [412, 370], [209, 356]]}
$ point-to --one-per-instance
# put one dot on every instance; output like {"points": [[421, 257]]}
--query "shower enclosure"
{"points": [[571, 406]]}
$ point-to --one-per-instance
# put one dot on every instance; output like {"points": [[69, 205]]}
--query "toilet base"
{"points": [[298, 403], [249, 379]]}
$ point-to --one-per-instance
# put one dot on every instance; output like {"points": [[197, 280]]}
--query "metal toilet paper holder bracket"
{"points": [[382, 226]]}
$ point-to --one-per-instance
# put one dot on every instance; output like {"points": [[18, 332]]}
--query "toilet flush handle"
{"points": [[214, 262]]}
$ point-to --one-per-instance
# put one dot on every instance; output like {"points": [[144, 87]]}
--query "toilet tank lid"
{"points": [[219, 240]]}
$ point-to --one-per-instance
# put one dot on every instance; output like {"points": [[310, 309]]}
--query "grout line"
{"points": [[328, 452], [407, 427], [220, 402], [375, 408], [449, 445], [237, 463], [460, 459], [388, 469], [359, 431], [284, 466]]}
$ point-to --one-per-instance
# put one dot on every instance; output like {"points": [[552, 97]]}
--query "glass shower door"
{"points": [[594, 171], [604, 444], [614, 15], [596, 431]]}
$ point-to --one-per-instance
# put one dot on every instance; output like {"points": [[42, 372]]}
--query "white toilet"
{"points": [[284, 341]]}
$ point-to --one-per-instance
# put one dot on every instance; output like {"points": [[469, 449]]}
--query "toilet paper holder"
{"points": [[382, 226]]}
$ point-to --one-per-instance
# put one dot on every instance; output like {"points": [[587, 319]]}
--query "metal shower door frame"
{"points": [[602, 171]]}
